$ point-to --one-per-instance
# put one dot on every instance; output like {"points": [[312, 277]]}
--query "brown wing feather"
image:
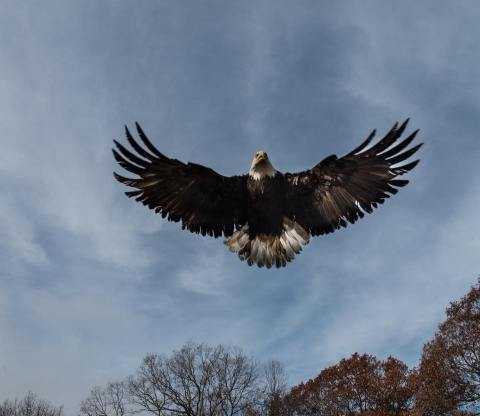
{"points": [[203, 200], [338, 191]]}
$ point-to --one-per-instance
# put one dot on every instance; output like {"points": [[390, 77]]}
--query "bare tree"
{"points": [[197, 380], [30, 405], [275, 387], [108, 401], [276, 381]]}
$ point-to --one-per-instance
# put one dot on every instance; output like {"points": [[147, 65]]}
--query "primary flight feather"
{"points": [[265, 215]]}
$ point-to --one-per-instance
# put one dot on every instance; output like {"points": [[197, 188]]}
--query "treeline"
{"points": [[30, 405], [200, 380], [195, 380]]}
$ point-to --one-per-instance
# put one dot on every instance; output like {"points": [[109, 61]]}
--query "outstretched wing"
{"points": [[338, 191], [204, 201]]}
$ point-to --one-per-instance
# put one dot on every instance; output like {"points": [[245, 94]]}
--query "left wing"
{"points": [[338, 191]]}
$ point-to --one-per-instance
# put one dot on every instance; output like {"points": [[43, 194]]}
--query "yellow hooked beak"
{"points": [[261, 155]]}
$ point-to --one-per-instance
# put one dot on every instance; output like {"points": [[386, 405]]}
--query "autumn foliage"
{"points": [[447, 381], [358, 385], [450, 366]]}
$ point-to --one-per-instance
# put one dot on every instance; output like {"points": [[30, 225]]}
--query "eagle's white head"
{"points": [[261, 166]]}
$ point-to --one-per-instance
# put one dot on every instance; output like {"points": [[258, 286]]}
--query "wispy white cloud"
{"points": [[207, 274], [19, 239]]}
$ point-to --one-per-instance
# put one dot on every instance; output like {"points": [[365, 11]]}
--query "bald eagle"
{"points": [[267, 216]]}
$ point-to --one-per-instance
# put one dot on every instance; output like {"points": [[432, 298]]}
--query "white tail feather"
{"points": [[267, 249]]}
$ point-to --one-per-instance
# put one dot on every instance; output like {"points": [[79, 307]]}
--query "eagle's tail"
{"points": [[268, 249]]}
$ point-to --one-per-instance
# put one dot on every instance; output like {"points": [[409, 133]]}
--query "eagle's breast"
{"points": [[266, 204]]}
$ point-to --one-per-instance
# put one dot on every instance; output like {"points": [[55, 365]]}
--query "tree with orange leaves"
{"points": [[397, 387], [360, 385], [450, 365]]}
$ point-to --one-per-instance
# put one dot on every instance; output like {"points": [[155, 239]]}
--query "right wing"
{"points": [[203, 200]]}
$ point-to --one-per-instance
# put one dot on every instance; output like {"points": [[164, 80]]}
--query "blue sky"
{"points": [[91, 281]]}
